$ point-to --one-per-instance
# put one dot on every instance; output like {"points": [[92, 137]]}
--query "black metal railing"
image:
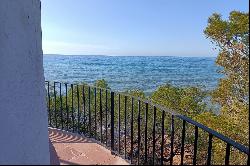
{"points": [[137, 129]]}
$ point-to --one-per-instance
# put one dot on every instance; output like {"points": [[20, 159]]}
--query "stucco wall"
{"points": [[23, 117]]}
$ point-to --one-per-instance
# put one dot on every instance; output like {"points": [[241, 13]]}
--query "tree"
{"points": [[232, 38], [232, 94]]}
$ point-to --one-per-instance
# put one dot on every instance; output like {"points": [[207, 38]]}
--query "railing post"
{"points": [[106, 116], [195, 144], [154, 124], [227, 154], [55, 115], [183, 141], [172, 140], [49, 105], [112, 120], [209, 152]]}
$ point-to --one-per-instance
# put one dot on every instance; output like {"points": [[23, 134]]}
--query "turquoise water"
{"points": [[138, 72]]}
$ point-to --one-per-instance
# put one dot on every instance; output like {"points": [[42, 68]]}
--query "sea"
{"points": [[123, 73]]}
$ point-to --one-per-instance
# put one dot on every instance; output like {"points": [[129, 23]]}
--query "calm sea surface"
{"points": [[138, 72]]}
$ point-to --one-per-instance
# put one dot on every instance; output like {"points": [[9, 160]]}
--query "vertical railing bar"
{"points": [[183, 141], [90, 134], [172, 139], [162, 136], [49, 104], [112, 121], [146, 134], [139, 130], [227, 154], [125, 129], [195, 144], [209, 152], [67, 108], [119, 123], [101, 113], [78, 110], [55, 116], [154, 123], [72, 107], [84, 108], [61, 105], [132, 126], [106, 116], [95, 114]]}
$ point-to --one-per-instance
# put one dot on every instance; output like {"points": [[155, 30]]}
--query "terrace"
{"points": [[68, 148], [87, 125], [130, 130]]}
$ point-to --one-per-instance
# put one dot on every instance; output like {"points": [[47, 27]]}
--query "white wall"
{"points": [[23, 116]]}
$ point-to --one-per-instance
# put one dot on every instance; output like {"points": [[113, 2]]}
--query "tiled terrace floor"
{"points": [[68, 148]]}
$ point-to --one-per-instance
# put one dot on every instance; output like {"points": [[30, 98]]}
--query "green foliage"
{"points": [[186, 101], [222, 125], [101, 84], [232, 38]]}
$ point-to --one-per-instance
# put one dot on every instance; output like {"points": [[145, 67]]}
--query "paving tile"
{"points": [[68, 153]]}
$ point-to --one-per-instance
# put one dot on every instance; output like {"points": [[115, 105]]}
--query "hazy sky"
{"points": [[131, 27]]}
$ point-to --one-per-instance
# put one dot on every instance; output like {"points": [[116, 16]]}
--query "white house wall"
{"points": [[23, 116]]}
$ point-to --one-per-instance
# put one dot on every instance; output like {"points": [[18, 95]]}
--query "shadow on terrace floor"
{"points": [[70, 148]]}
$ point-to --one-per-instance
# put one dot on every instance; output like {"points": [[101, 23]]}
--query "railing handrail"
{"points": [[237, 145]]}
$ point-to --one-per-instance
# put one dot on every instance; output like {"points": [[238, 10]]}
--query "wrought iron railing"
{"points": [[136, 129]]}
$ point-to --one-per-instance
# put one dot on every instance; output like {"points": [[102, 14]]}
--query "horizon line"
{"points": [[205, 56]]}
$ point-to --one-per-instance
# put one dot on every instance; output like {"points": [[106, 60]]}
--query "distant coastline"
{"points": [[70, 55], [87, 55]]}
